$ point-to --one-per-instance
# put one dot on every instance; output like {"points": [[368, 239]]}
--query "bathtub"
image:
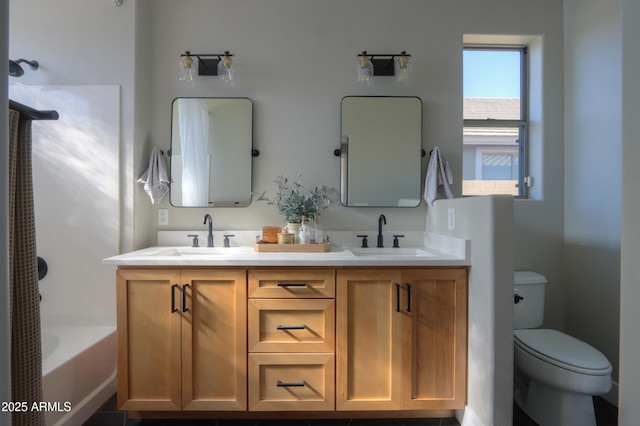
{"points": [[78, 371]]}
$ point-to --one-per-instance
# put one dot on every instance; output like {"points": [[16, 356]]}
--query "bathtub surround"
{"points": [[88, 355], [24, 308]]}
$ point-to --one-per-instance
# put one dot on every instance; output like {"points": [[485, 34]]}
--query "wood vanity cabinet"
{"points": [[401, 339], [287, 339], [181, 339]]}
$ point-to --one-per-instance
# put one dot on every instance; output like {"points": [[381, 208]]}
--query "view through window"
{"points": [[495, 121]]}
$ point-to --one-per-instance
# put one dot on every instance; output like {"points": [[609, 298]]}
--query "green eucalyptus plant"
{"points": [[293, 203]]}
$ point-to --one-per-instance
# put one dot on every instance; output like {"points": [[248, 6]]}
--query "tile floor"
{"points": [[108, 415]]}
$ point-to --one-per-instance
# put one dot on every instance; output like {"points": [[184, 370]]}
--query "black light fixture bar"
{"points": [[383, 67], [206, 65]]}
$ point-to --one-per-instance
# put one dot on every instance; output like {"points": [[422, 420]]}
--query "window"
{"points": [[495, 120]]}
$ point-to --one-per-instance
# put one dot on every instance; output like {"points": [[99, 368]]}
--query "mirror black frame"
{"points": [[343, 153], [253, 152]]}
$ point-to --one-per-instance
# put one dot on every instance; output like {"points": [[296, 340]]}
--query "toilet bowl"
{"points": [[556, 375]]}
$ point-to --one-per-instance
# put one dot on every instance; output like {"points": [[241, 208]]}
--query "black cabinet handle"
{"points": [[184, 297], [282, 384], [397, 297], [173, 298], [408, 298], [291, 327], [292, 284]]}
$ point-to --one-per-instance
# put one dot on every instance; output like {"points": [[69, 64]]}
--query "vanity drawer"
{"points": [[291, 382], [285, 325], [292, 283]]}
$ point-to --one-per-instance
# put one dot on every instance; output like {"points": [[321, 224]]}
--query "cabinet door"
{"points": [[214, 348], [434, 338], [148, 339], [368, 332]]}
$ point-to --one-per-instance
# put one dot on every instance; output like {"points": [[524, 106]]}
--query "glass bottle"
{"points": [[318, 234], [304, 236]]}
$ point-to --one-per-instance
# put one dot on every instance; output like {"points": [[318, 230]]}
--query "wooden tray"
{"points": [[291, 248]]}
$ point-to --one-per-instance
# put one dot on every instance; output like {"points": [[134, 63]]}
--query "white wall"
{"points": [[297, 119], [487, 222], [593, 180], [630, 251]]}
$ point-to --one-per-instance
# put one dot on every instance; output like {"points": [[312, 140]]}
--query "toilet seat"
{"points": [[562, 350]]}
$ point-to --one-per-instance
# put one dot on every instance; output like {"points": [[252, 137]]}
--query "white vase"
{"points": [[293, 228]]}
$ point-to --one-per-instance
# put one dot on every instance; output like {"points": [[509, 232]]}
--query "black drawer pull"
{"points": [[282, 384], [173, 298], [408, 298], [397, 297], [184, 298], [291, 327], [292, 284]]}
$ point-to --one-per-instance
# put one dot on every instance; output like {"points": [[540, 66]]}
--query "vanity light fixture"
{"points": [[215, 64], [377, 64]]}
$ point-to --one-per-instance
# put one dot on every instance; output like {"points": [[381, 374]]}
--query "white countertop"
{"points": [[246, 256]]}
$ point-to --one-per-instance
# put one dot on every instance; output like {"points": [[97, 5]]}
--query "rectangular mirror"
{"points": [[381, 151], [211, 152]]}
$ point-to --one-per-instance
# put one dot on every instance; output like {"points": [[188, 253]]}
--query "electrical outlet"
{"points": [[452, 219], [163, 217]]}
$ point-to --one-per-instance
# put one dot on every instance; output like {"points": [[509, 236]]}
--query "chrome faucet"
{"points": [[382, 219], [207, 217]]}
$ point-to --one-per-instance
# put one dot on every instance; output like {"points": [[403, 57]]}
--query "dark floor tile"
{"points": [[112, 418], [329, 422], [277, 422], [231, 422], [520, 418], [375, 422], [169, 422], [111, 404], [606, 412], [425, 422], [450, 422]]}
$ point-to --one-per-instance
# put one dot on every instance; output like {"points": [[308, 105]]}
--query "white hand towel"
{"points": [[155, 178], [438, 178]]}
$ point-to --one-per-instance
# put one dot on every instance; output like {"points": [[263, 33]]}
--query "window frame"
{"points": [[522, 124]]}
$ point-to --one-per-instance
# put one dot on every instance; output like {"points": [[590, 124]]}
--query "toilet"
{"points": [[556, 375]]}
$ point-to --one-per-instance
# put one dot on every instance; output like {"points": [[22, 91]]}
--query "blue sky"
{"points": [[491, 74]]}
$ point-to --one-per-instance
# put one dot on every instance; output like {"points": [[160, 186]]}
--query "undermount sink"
{"points": [[195, 251], [396, 252]]}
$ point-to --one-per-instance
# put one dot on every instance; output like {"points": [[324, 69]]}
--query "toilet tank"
{"points": [[529, 312]]}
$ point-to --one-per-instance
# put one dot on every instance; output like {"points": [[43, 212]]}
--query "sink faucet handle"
{"points": [[194, 243], [365, 242], [396, 242], [226, 239]]}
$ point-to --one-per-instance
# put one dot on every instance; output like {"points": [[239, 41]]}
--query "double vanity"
{"points": [[228, 332]]}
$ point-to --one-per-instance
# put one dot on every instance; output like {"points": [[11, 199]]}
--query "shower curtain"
{"points": [[194, 144], [24, 299]]}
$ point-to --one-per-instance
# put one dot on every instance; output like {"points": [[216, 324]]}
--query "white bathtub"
{"points": [[78, 371]]}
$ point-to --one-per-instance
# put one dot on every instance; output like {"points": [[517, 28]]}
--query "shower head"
{"points": [[15, 70]]}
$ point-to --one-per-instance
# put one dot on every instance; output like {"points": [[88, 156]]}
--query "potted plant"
{"points": [[293, 203]]}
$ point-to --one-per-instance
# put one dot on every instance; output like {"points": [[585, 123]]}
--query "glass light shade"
{"points": [[225, 69], [403, 68], [186, 68], [365, 69]]}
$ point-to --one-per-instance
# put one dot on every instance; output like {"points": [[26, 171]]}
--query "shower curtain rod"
{"points": [[33, 114]]}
